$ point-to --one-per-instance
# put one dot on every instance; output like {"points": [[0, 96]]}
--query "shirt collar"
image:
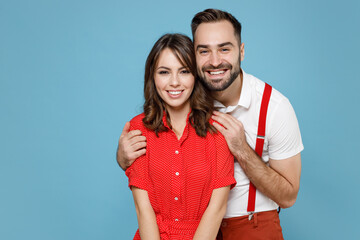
{"points": [[245, 96]]}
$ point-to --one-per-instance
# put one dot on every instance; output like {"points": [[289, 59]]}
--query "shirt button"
{"points": [[176, 152], [177, 173], [176, 198], [176, 219]]}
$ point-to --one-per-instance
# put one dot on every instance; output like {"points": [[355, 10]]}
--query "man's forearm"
{"points": [[266, 179]]}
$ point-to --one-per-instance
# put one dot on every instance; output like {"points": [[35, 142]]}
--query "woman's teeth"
{"points": [[175, 92]]}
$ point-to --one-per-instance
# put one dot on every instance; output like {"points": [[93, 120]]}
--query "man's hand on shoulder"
{"points": [[279, 181], [233, 131], [131, 146]]}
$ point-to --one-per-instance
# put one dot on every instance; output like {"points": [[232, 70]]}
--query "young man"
{"points": [[251, 211]]}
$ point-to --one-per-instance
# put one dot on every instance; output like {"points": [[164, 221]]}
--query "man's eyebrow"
{"points": [[219, 45], [225, 43], [201, 46]]}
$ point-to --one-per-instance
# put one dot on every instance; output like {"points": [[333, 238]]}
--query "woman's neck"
{"points": [[178, 118]]}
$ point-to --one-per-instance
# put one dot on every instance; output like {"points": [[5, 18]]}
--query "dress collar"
{"points": [[186, 129], [166, 123]]}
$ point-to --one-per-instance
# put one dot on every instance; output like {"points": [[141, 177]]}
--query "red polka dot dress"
{"points": [[180, 175]]}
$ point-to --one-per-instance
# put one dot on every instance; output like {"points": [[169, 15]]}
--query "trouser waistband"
{"points": [[263, 216]]}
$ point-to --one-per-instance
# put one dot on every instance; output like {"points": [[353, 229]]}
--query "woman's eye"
{"points": [[163, 72], [185, 71]]}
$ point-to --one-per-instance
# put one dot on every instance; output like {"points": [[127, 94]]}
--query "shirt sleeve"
{"points": [[284, 132], [224, 163], [138, 172]]}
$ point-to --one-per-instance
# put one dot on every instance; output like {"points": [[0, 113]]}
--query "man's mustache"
{"points": [[221, 66]]}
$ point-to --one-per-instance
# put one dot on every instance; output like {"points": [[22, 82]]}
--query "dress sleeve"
{"points": [[224, 163], [138, 172]]}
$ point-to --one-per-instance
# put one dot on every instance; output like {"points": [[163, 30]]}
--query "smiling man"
{"points": [[258, 123]]}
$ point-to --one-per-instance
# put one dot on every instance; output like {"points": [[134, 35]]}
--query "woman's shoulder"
{"points": [[138, 118], [137, 122], [216, 135]]}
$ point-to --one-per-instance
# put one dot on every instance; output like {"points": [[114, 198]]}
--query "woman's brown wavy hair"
{"points": [[201, 101]]}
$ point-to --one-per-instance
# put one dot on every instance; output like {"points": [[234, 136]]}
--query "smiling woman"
{"points": [[178, 50], [174, 83], [182, 150]]}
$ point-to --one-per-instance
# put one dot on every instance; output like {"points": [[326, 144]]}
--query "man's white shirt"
{"points": [[282, 139]]}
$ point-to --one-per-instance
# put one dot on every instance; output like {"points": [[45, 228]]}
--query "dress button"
{"points": [[176, 198], [177, 173], [176, 219], [176, 152]]}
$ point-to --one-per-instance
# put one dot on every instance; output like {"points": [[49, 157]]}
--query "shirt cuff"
{"points": [[223, 182]]}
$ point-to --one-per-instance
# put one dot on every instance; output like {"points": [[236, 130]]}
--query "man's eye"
{"points": [[203, 51], [225, 49]]}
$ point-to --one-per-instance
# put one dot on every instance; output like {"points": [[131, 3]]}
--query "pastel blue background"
{"points": [[71, 75]]}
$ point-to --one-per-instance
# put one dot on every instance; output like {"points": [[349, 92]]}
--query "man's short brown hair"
{"points": [[215, 15]]}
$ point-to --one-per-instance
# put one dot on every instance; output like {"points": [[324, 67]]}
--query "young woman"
{"points": [[181, 185]]}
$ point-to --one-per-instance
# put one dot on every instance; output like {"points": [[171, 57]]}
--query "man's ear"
{"points": [[242, 51]]}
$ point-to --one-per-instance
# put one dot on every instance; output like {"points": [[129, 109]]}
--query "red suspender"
{"points": [[259, 141]]}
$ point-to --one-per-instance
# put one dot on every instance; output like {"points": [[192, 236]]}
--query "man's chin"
{"points": [[216, 87], [211, 84]]}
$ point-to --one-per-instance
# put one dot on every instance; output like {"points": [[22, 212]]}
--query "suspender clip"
{"points": [[259, 136], [251, 214]]}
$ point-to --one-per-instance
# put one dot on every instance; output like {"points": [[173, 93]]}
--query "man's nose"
{"points": [[215, 59]]}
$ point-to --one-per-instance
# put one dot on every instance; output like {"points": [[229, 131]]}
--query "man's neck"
{"points": [[231, 95]]}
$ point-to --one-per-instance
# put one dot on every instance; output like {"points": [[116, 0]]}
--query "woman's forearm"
{"points": [[214, 213], [148, 227]]}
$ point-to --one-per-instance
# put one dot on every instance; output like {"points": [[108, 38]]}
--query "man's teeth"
{"points": [[175, 92], [218, 72]]}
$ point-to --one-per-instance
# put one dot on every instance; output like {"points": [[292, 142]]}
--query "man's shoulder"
{"points": [[258, 87]]}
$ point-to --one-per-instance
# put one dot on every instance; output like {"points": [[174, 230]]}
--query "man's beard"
{"points": [[225, 83]]}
